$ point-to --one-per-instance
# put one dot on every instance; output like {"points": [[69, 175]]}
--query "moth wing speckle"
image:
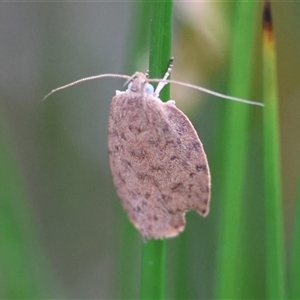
{"points": [[157, 161]]}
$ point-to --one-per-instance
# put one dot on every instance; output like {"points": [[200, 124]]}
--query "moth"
{"points": [[157, 160]]}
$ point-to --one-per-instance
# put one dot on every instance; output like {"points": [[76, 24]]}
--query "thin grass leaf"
{"points": [[20, 252], [154, 252], [272, 178], [294, 276], [234, 156]]}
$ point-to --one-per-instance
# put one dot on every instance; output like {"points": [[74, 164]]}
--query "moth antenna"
{"points": [[207, 91], [147, 73], [171, 64], [86, 79], [163, 82]]}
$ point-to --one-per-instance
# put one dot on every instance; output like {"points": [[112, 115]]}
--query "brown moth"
{"points": [[157, 161]]}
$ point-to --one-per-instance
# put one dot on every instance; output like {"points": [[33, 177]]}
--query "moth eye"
{"points": [[149, 89]]}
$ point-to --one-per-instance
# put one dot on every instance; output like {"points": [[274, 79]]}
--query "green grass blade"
{"points": [[153, 270], [294, 276], [154, 252], [20, 253], [234, 155], [272, 180]]}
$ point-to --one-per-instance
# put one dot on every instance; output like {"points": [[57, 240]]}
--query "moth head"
{"points": [[140, 85]]}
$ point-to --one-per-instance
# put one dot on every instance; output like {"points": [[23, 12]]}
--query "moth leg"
{"points": [[162, 83], [171, 102]]}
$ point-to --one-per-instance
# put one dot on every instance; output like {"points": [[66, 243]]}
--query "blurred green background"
{"points": [[63, 232]]}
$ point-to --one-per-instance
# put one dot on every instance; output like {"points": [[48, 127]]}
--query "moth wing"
{"points": [[158, 164], [190, 181]]}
